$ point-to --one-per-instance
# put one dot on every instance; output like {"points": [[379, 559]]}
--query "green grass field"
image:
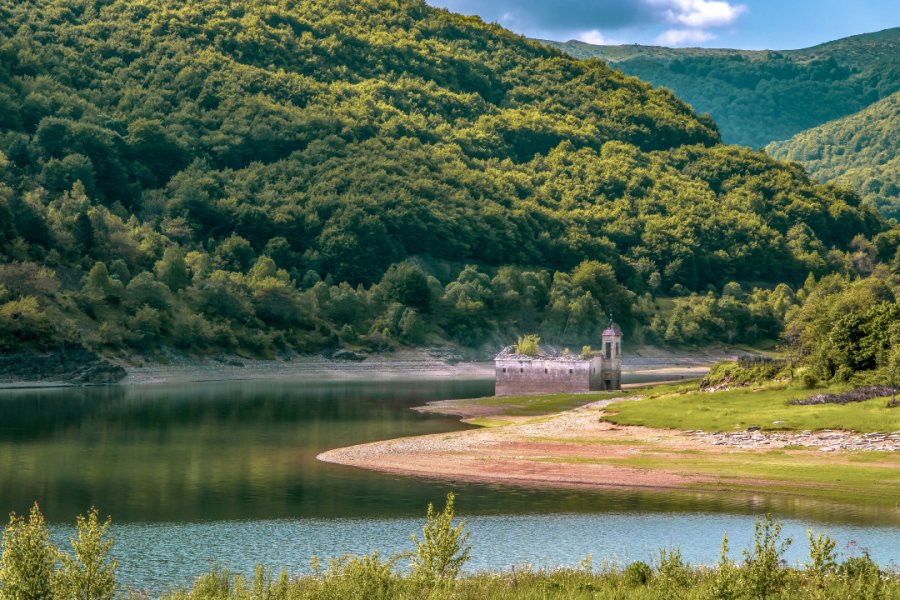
{"points": [[737, 409], [870, 478]]}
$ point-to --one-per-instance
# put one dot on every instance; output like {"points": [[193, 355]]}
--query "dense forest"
{"points": [[757, 97], [861, 152], [271, 176]]}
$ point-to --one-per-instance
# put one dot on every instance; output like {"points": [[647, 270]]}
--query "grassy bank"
{"points": [[488, 411], [766, 406], [535, 434], [680, 583]]}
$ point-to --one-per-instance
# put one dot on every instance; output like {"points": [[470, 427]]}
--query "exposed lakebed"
{"points": [[226, 472]]}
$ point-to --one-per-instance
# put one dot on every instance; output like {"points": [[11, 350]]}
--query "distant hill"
{"points": [[272, 175], [861, 151], [757, 97]]}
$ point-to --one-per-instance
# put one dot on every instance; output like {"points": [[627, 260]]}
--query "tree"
{"points": [[99, 287], [172, 270], [235, 254], [407, 284]]}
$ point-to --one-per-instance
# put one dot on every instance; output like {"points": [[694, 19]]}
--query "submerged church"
{"points": [[546, 373]]}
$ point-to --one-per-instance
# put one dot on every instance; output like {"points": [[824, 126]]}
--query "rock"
{"points": [[348, 355], [753, 428], [778, 423], [101, 374], [69, 364]]}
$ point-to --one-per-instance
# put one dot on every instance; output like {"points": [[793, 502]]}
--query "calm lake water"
{"points": [[226, 472]]}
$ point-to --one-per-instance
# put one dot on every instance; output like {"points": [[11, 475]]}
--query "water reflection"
{"points": [[246, 451]]}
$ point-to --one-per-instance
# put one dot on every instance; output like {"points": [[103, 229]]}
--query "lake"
{"points": [[226, 472]]}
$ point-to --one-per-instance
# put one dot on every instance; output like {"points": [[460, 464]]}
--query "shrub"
{"points": [[638, 573], [672, 568], [764, 571], [91, 573], [444, 549], [528, 345], [861, 578], [809, 380], [28, 560], [822, 559], [361, 577], [727, 584]]}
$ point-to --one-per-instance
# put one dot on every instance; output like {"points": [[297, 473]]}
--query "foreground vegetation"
{"points": [[274, 176], [29, 571]]}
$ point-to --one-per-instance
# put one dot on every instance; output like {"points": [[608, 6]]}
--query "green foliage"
{"points": [[844, 327], [727, 583], [822, 557], [757, 97], [529, 345], [31, 568], [637, 573], [374, 577], [28, 560], [443, 549], [361, 578], [764, 570], [860, 151], [295, 177], [672, 571], [89, 573], [730, 374]]}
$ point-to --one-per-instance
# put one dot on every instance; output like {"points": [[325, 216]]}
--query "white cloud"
{"points": [[594, 36], [701, 13], [681, 37]]}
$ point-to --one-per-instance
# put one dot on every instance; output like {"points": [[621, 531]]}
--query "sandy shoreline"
{"points": [[571, 449], [576, 449]]}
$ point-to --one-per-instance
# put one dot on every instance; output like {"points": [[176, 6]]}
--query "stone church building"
{"points": [[545, 373]]}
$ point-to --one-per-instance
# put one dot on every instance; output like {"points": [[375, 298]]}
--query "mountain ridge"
{"points": [[761, 96], [860, 151]]}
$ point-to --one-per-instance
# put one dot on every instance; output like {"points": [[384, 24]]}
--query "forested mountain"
{"points": [[272, 175], [861, 152], [757, 97]]}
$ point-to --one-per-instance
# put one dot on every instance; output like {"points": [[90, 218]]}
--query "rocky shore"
{"points": [[66, 366], [826, 440]]}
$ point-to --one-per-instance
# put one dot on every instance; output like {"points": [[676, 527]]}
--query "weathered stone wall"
{"points": [[519, 376], [610, 380]]}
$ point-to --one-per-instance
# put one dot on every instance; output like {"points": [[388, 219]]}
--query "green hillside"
{"points": [[861, 151], [272, 175], [757, 97]]}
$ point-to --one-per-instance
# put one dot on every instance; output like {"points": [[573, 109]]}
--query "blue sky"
{"points": [[746, 24]]}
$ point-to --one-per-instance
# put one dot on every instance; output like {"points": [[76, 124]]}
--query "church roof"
{"points": [[612, 329]]}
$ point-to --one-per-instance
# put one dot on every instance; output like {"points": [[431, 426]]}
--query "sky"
{"points": [[744, 24]]}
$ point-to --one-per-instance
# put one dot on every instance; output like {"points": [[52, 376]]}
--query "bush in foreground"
{"points": [[32, 569]]}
